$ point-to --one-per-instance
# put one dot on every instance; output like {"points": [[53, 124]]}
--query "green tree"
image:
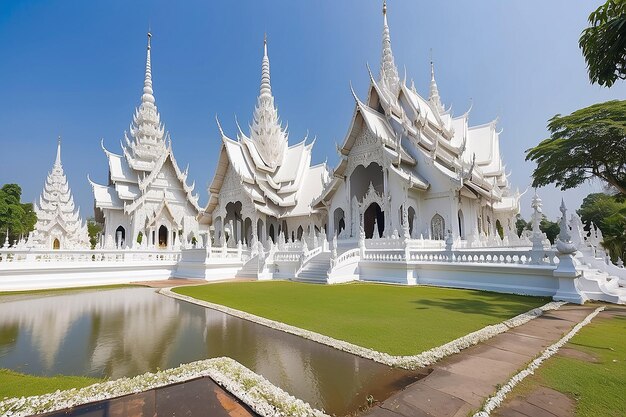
{"points": [[607, 212], [16, 217], [551, 229], [603, 43], [520, 224], [589, 143], [93, 230]]}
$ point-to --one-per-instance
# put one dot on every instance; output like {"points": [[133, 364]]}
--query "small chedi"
{"points": [[59, 225], [147, 201]]}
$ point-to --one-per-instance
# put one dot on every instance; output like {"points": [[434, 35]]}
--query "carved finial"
{"points": [[57, 162], [388, 70], [433, 97], [149, 38]]}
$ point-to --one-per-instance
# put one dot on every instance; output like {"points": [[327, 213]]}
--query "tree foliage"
{"points": [[608, 212], [16, 217], [603, 43], [93, 230], [589, 143]]}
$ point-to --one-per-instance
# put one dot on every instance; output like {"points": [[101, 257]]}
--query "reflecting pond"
{"points": [[129, 331]]}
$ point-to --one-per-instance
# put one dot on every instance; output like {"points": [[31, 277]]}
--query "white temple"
{"points": [[407, 157], [59, 225], [262, 187], [147, 201]]}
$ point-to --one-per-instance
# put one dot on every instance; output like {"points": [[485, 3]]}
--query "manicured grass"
{"points": [[598, 388], [14, 384], [388, 318]]}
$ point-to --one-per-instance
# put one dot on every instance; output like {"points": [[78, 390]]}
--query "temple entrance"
{"points": [[339, 221], [56, 245], [411, 219], [373, 216], [271, 233], [247, 231], [233, 218], [163, 237], [300, 232], [120, 237]]}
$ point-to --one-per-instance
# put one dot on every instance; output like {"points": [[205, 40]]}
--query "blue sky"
{"points": [[75, 69]]}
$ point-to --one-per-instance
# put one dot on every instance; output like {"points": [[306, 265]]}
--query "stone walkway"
{"points": [[459, 384]]}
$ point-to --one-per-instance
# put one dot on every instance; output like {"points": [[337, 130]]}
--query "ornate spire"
{"points": [[146, 130], [266, 130], [57, 218], [388, 70], [147, 84], [433, 97], [57, 162]]}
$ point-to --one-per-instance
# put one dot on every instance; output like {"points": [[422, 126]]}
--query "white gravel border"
{"points": [[258, 393], [495, 400], [411, 362]]}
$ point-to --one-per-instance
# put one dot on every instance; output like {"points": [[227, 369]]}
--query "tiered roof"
{"points": [[276, 178], [411, 128], [57, 217], [145, 154]]}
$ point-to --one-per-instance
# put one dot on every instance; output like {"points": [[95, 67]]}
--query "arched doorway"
{"points": [[339, 220], [437, 227], [259, 230], [300, 232], [163, 235], [271, 233], [247, 230], [461, 224], [56, 244], [411, 219], [120, 236], [373, 215]]}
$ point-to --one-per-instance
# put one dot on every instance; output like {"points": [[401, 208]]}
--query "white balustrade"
{"points": [[38, 256]]}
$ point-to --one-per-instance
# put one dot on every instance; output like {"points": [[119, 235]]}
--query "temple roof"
{"points": [[144, 156], [275, 177]]}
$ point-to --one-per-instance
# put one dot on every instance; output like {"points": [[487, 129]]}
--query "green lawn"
{"points": [[14, 384], [395, 319], [598, 388]]}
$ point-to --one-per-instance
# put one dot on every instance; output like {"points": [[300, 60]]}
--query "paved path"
{"points": [[459, 384]]}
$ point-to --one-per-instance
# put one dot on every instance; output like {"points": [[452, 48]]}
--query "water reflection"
{"points": [[125, 332]]}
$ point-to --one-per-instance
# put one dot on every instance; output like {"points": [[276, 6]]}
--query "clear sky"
{"points": [[75, 68]]}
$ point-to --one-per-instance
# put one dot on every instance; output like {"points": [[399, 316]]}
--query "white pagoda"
{"points": [[263, 187], [59, 225], [408, 159], [147, 201]]}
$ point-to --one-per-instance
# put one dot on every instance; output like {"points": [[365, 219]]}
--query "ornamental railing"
{"points": [[36, 256], [348, 257]]}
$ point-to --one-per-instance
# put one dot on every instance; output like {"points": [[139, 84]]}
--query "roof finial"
{"points": [[266, 87], [147, 84], [388, 70], [434, 90], [58, 160]]}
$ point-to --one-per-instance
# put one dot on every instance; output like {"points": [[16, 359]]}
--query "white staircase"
{"points": [[316, 270], [250, 268], [601, 286]]}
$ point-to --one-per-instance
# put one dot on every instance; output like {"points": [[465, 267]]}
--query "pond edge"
{"points": [[409, 362], [263, 397]]}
